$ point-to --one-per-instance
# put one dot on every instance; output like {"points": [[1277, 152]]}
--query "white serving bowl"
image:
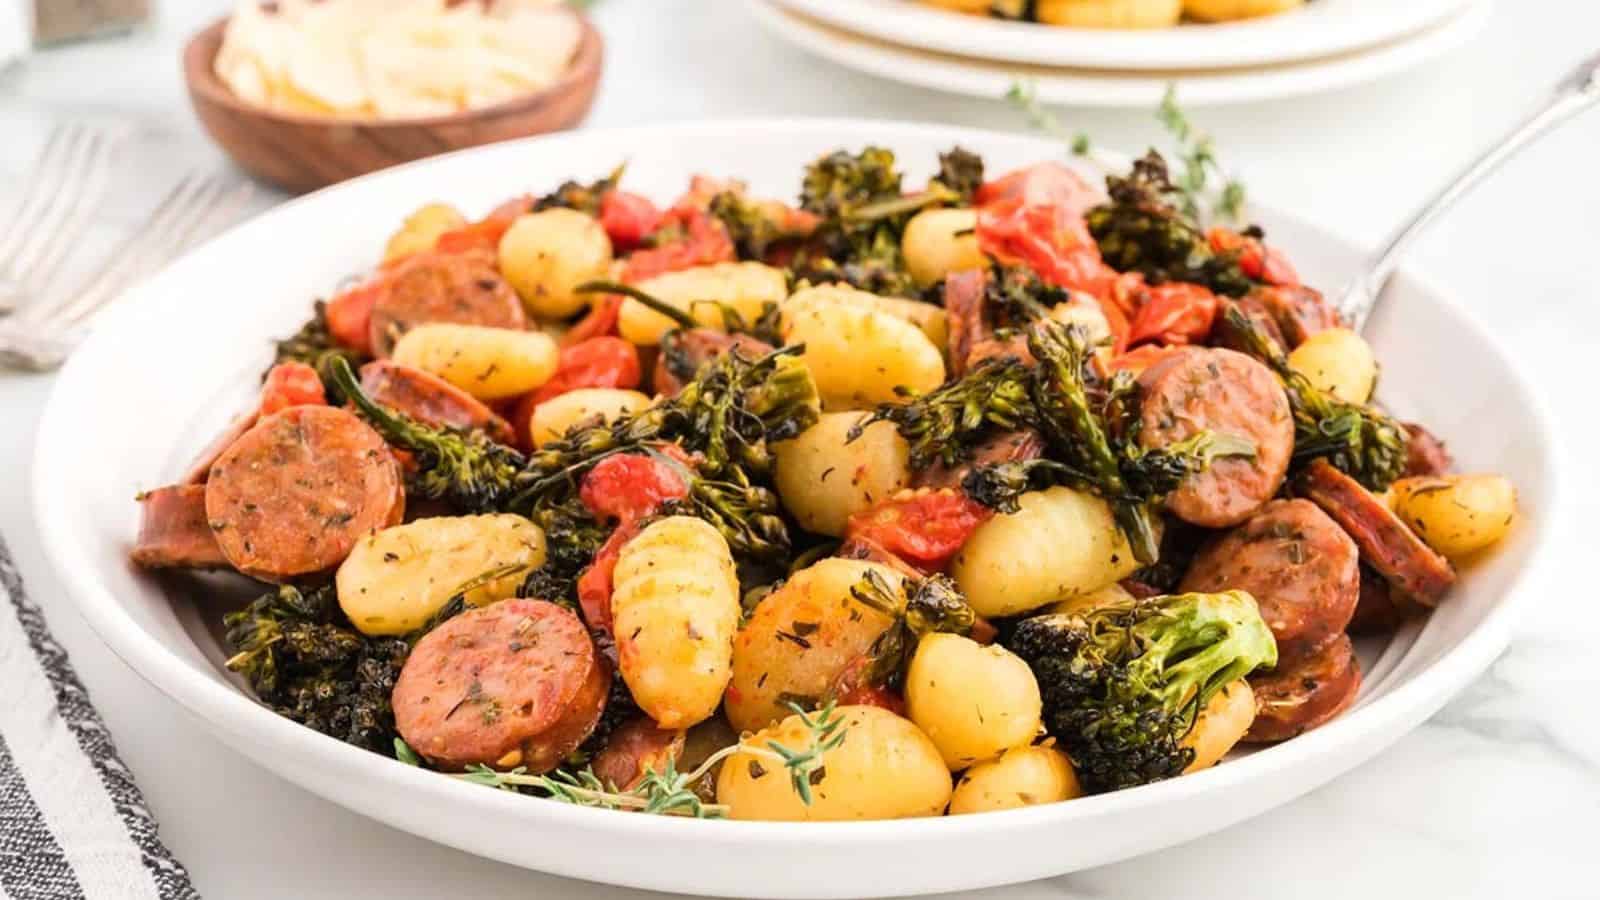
{"points": [[180, 354]]}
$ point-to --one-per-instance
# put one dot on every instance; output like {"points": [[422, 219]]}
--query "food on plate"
{"points": [[903, 500], [1123, 14], [393, 59]]}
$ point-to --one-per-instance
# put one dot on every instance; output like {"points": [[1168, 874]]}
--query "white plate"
{"points": [[1321, 28], [173, 359], [1110, 88]]}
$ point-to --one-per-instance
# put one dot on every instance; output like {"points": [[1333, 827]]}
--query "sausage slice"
{"points": [[1305, 691], [293, 495], [504, 686], [637, 745], [1297, 311], [1297, 562], [963, 304], [1387, 545], [1425, 453], [461, 288], [1224, 392], [431, 400], [200, 469], [684, 352], [1007, 446], [173, 530]]}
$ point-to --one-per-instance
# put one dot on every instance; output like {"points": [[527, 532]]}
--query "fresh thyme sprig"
{"points": [[1024, 95], [668, 792], [1198, 153], [1195, 149]]}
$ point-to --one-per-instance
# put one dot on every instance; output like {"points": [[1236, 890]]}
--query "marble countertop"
{"points": [[1497, 796]]}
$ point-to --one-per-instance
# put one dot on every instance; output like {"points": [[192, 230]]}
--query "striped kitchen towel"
{"points": [[72, 822]]}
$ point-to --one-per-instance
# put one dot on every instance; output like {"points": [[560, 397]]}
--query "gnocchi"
{"points": [[674, 607], [973, 702], [421, 230], [396, 579], [554, 417], [931, 319], [861, 357], [488, 363], [1221, 724], [744, 287], [800, 639], [940, 241], [1456, 515], [1022, 776], [1110, 13], [546, 255], [1338, 361], [824, 478], [1060, 542], [886, 769], [1229, 10]]}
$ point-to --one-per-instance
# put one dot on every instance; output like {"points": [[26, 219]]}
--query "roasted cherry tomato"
{"points": [[924, 529], [291, 384], [1256, 259], [1043, 184], [607, 362], [486, 232], [349, 315], [1138, 359], [852, 688], [1174, 313], [627, 218], [594, 585], [628, 487], [687, 237]]}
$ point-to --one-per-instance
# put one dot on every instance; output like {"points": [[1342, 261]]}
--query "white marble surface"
{"points": [[1497, 796]]}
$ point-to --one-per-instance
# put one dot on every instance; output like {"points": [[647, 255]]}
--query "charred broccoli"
{"points": [[863, 213], [464, 468], [1357, 440], [315, 346], [944, 424], [1143, 230], [962, 172], [1122, 685], [932, 605], [305, 662], [585, 198]]}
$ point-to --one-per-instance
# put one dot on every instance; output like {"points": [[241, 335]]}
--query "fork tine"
{"points": [[120, 264], [209, 207], [60, 189], [44, 168], [75, 221]]}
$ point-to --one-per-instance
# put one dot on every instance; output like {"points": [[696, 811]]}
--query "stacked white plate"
{"points": [[1326, 44]]}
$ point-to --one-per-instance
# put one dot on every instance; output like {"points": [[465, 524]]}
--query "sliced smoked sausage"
{"points": [[1305, 691], [1297, 562], [292, 496], [462, 288], [507, 685], [1226, 393], [684, 352], [636, 746], [1007, 446], [1387, 545], [431, 400], [173, 530], [1425, 453]]}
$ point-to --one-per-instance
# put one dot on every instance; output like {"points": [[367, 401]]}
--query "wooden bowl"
{"points": [[304, 152]]}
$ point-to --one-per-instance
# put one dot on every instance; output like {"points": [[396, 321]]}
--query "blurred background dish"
{"points": [[1323, 28], [1113, 88], [302, 140]]}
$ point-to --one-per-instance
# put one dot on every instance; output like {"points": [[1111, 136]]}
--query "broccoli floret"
{"points": [[1123, 684]]}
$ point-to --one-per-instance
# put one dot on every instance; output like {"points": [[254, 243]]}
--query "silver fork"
{"points": [[43, 334], [62, 193], [1576, 93]]}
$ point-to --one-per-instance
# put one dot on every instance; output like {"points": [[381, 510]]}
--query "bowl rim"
{"points": [[200, 75], [231, 712]]}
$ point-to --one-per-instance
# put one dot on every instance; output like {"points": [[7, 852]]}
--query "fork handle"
{"points": [[1575, 94]]}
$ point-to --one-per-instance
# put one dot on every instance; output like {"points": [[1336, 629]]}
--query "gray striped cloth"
{"points": [[72, 822]]}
